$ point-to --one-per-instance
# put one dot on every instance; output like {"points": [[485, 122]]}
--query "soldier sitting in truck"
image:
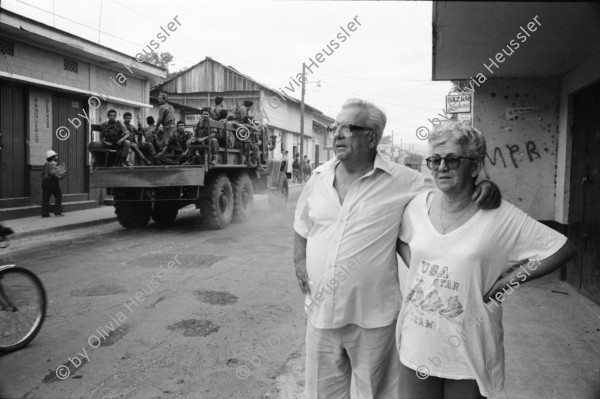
{"points": [[251, 146], [216, 109], [140, 148], [229, 134], [149, 135], [113, 136], [176, 150], [202, 134]]}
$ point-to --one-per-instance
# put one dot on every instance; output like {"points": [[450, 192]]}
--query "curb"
{"points": [[57, 229]]}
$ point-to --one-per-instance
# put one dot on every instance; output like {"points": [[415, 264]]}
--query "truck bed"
{"points": [[148, 176]]}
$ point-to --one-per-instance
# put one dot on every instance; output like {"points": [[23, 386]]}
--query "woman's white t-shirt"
{"points": [[444, 328]]}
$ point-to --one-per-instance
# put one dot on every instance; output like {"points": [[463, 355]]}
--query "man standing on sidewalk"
{"points": [[52, 173], [347, 222]]}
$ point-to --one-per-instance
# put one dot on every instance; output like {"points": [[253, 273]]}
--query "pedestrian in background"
{"points": [[307, 170], [296, 169], [52, 173]]}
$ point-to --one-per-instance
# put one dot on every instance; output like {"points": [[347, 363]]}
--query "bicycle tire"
{"points": [[17, 285]]}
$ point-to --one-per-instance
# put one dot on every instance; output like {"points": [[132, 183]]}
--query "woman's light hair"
{"points": [[470, 139], [376, 118]]}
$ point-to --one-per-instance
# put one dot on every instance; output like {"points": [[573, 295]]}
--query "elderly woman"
{"points": [[463, 262]]}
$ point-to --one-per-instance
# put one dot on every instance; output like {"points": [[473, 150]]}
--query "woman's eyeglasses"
{"points": [[346, 129], [451, 161]]}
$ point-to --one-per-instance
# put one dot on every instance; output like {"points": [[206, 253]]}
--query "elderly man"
{"points": [[113, 136], [347, 223], [166, 118]]}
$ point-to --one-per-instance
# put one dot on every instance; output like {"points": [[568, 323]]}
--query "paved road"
{"points": [[176, 312]]}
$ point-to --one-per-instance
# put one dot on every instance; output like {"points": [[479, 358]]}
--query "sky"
{"points": [[387, 59]]}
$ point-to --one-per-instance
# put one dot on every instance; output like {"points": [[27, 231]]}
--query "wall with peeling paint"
{"points": [[521, 150]]}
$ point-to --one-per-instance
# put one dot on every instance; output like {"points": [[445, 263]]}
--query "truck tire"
{"points": [[243, 198], [278, 198], [132, 215], [164, 214], [220, 206]]}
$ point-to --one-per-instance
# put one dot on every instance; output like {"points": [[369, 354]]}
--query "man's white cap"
{"points": [[50, 153]]}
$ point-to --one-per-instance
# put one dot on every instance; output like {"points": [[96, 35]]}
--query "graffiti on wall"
{"points": [[499, 154]]}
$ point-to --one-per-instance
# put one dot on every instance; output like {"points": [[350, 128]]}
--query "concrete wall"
{"points": [[521, 151], [577, 79], [41, 64]]}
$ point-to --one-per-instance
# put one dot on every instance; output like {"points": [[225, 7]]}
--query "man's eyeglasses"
{"points": [[451, 161], [346, 129]]}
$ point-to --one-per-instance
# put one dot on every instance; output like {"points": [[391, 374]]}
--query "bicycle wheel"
{"points": [[22, 308]]}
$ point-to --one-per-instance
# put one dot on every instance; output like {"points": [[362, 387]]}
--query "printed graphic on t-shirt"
{"points": [[441, 298]]}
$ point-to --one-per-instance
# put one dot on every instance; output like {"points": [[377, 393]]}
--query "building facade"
{"points": [[535, 80], [53, 87], [198, 86]]}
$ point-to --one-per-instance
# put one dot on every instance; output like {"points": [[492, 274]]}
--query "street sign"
{"points": [[192, 119], [457, 103]]}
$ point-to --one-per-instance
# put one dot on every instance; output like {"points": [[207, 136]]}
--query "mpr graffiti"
{"points": [[531, 149]]}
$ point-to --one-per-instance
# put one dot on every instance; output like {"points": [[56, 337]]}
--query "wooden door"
{"points": [[14, 182], [584, 204], [72, 151]]}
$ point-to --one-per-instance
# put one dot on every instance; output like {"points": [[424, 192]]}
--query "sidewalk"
{"points": [[551, 340], [36, 225]]}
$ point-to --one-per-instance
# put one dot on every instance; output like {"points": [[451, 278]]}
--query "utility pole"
{"points": [[302, 111]]}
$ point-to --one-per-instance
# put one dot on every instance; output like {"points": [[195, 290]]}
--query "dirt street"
{"points": [[164, 312]]}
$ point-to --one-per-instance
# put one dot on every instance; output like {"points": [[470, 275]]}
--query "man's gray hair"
{"points": [[376, 118], [470, 139]]}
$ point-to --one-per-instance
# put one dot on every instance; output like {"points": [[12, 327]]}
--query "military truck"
{"points": [[223, 192]]}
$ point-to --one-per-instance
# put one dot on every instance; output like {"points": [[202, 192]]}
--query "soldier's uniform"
{"points": [[177, 148], [201, 131], [141, 148], [112, 133], [166, 117]]}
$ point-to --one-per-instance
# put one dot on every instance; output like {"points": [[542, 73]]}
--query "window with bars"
{"points": [[7, 47], [71, 65]]}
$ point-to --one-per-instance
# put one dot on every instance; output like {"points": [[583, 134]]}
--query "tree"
{"points": [[160, 60], [386, 140]]}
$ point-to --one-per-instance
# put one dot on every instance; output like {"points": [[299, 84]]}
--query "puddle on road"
{"points": [[114, 336], [215, 297], [99, 290], [194, 327], [68, 365]]}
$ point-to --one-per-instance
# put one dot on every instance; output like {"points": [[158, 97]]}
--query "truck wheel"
{"points": [[278, 198], [220, 207], [243, 198], [132, 215], [164, 215]]}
